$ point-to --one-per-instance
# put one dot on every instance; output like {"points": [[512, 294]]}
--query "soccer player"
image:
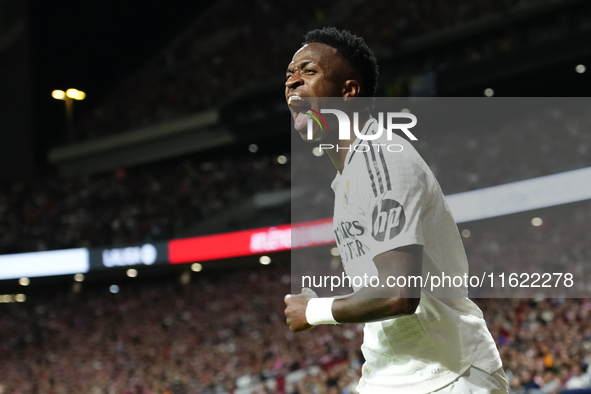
{"points": [[390, 220]]}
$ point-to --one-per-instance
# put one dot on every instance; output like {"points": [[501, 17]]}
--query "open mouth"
{"points": [[300, 110]]}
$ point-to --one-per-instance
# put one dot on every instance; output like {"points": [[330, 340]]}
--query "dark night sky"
{"points": [[93, 45]]}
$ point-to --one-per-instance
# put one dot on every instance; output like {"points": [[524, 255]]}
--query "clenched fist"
{"points": [[296, 310]]}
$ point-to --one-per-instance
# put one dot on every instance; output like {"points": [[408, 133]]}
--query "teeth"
{"points": [[294, 98]]}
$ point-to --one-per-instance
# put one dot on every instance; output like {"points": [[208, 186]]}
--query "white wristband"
{"points": [[319, 311]]}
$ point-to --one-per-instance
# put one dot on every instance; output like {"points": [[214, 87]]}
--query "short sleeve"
{"points": [[394, 197]]}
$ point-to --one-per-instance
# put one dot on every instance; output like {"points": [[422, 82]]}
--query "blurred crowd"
{"points": [[213, 61], [545, 344], [157, 201], [203, 337], [475, 154], [129, 206], [486, 153], [557, 243], [200, 335], [414, 19]]}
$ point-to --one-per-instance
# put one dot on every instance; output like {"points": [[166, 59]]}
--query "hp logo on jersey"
{"points": [[387, 219]]}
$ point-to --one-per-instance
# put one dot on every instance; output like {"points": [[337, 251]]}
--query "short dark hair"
{"points": [[354, 50]]}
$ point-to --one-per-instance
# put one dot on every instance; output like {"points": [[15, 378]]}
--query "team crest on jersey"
{"points": [[346, 198]]}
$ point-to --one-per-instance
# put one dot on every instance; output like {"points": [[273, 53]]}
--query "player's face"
{"points": [[315, 71]]}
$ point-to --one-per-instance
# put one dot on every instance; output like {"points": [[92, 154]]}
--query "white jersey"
{"points": [[386, 200]]}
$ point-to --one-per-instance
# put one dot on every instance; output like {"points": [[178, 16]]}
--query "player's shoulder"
{"points": [[387, 154], [387, 165]]}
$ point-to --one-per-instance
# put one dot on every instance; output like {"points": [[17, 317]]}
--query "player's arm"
{"points": [[367, 304], [380, 303]]}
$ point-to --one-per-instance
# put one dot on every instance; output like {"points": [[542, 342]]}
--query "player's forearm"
{"points": [[370, 304], [361, 308]]}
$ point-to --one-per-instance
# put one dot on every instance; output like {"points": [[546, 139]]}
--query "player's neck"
{"points": [[338, 156]]}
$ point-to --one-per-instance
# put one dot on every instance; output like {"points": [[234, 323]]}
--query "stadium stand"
{"points": [[204, 337], [179, 81], [129, 206]]}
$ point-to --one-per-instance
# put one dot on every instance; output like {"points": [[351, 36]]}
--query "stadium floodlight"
{"points": [[58, 94], [69, 96], [75, 94]]}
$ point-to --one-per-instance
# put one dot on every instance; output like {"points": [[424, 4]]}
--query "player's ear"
{"points": [[351, 88]]}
